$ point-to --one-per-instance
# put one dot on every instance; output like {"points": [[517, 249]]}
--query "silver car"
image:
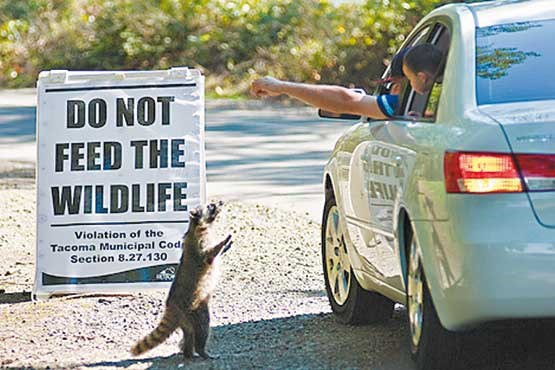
{"points": [[449, 207]]}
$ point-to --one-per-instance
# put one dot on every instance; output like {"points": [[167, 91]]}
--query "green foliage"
{"points": [[232, 41]]}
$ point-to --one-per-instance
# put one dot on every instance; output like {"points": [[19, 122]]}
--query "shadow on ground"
{"points": [[306, 341], [510, 345], [17, 124], [319, 342], [25, 171], [18, 297]]}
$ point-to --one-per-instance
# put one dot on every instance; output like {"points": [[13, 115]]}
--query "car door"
{"points": [[377, 171], [393, 156]]}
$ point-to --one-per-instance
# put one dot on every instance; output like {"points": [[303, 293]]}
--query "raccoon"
{"points": [[190, 292]]}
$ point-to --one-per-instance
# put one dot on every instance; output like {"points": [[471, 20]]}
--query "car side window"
{"points": [[424, 106], [420, 37], [409, 95], [433, 101]]}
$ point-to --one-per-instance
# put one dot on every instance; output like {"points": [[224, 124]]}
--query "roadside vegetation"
{"points": [[231, 41]]}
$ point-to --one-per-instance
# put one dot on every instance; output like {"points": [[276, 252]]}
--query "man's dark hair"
{"points": [[424, 58]]}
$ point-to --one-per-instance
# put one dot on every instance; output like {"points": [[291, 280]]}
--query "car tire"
{"points": [[432, 346], [350, 303]]}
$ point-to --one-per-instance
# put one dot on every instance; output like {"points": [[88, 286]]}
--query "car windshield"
{"points": [[514, 62]]}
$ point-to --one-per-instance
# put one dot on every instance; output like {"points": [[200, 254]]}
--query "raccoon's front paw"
{"points": [[227, 246]]}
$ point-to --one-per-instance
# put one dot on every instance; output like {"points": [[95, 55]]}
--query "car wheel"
{"points": [[432, 346], [350, 303]]}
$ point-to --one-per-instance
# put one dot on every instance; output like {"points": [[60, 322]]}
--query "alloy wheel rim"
{"points": [[415, 295], [338, 266]]}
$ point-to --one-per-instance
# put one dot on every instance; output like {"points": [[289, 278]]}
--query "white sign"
{"points": [[120, 163]]}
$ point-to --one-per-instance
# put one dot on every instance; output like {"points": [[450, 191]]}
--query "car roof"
{"points": [[491, 13]]}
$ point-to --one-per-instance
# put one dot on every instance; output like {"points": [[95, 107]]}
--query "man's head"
{"points": [[422, 64]]}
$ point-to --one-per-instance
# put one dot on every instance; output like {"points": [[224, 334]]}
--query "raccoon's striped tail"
{"points": [[167, 325]]}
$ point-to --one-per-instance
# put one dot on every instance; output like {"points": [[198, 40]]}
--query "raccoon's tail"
{"points": [[167, 325]]}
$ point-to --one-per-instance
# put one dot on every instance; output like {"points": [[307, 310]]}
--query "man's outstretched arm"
{"points": [[331, 98]]}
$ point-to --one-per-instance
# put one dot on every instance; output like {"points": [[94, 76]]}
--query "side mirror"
{"points": [[327, 114]]}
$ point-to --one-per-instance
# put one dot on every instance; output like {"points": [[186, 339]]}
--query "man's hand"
{"points": [[266, 86]]}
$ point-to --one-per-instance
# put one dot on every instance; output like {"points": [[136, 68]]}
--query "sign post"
{"points": [[120, 163]]}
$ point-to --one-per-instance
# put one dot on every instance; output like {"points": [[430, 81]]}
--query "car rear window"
{"points": [[515, 62]]}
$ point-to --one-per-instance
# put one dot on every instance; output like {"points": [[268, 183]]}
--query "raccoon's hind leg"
{"points": [[201, 326], [187, 344]]}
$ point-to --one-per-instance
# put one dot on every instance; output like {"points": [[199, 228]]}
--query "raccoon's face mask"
{"points": [[207, 214], [212, 210]]}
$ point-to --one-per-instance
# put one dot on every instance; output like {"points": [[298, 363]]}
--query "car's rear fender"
{"points": [[433, 264]]}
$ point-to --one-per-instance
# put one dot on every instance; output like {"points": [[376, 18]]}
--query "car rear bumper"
{"points": [[490, 260]]}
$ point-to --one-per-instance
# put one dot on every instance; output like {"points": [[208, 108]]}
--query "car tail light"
{"points": [[469, 172], [538, 171]]}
